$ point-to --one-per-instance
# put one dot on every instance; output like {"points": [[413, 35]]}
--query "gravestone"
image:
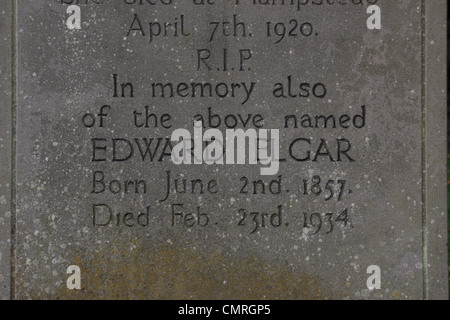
{"points": [[95, 206]]}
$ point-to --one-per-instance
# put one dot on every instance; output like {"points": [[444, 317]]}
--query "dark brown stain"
{"points": [[179, 272]]}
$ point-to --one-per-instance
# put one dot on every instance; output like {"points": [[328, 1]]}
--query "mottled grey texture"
{"points": [[436, 227], [5, 148], [62, 74]]}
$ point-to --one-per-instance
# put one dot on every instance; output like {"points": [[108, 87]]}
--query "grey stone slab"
{"points": [[281, 244], [5, 148], [435, 227]]}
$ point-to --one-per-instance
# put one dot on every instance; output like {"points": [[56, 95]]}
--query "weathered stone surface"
{"points": [[5, 149], [281, 244], [436, 155]]}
